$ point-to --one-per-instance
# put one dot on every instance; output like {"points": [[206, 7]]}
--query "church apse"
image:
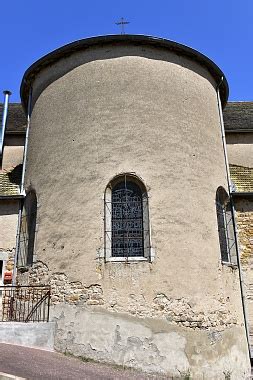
{"points": [[138, 116]]}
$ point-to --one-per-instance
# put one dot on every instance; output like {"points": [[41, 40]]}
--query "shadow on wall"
{"points": [[239, 138], [9, 186], [244, 205], [10, 207], [16, 174]]}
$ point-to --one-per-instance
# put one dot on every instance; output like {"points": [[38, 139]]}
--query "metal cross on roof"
{"points": [[122, 22]]}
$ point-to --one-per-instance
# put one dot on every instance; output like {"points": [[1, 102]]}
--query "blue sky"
{"points": [[220, 29]]}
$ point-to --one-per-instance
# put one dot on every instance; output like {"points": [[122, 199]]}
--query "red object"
{"points": [[7, 277]]}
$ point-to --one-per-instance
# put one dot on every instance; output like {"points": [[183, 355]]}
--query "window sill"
{"points": [[228, 264], [23, 268], [126, 259]]}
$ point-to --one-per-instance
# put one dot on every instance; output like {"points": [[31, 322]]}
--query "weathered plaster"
{"points": [[13, 151], [240, 149], [149, 344], [8, 223], [184, 311]]}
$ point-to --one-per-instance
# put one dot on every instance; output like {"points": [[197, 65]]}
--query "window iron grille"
{"points": [[127, 220], [27, 230], [126, 213], [225, 227]]}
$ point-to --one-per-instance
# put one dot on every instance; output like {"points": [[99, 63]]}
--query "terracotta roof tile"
{"points": [[238, 116], [10, 181], [242, 178], [16, 120]]}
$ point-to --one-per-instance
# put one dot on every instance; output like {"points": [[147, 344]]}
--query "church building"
{"points": [[126, 186]]}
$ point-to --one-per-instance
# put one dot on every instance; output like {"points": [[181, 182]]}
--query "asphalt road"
{"points": [[34, 364]]}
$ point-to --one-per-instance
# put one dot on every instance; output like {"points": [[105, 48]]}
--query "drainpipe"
{"points": [[22, 190], [7, 95], [230, 189], [14, 274]]}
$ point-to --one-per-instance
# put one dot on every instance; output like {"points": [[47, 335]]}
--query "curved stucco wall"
{"points": [[154, 113]]}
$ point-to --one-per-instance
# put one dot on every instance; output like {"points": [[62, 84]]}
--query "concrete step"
{"points": [[30, 334]]}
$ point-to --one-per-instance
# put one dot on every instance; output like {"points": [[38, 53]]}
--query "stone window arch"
{"points": [[27, 230], [127, 232], [226, 228]]}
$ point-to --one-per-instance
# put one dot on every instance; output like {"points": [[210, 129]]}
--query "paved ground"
{"points": [[34, 364]]}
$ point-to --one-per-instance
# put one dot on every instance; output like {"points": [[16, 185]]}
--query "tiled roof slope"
{"points": [[238, 116], [242, 178], [10, 181], [16, 120]]}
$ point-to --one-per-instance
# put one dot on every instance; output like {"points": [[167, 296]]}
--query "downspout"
{"points": [[14, 275], [22, 189], [7, 95], [230, 188]]}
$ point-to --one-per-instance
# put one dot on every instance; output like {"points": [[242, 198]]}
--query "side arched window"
{"points": [[27, 230], [225, 227], [126, 219]]}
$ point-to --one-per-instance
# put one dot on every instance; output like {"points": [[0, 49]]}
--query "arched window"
{"points": [[126, 219], [225, 227], [27, 230]]}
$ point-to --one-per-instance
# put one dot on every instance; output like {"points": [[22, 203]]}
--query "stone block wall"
{"points": [[245, 229], [244, 218]]}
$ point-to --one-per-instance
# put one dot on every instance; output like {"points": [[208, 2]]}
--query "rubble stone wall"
{"points": [[244, 216], [178, 311]]}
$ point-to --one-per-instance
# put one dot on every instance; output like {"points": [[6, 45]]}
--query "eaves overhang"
{"points": [[238, 130], [242, 194], [11, 197], [65, 50]]}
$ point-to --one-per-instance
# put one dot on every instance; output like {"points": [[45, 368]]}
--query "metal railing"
{"points": [[24, 303]]}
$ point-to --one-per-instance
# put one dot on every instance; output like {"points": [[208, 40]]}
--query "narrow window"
{"points": [[225, 227], [27, 230], [127, 222]]}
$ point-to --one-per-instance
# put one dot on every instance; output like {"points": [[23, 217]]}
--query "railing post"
{"points": [[48, 305]]}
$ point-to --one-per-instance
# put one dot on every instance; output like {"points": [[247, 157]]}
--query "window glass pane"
{"points": [[27, 230], [225, 226], [127, 220]]}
